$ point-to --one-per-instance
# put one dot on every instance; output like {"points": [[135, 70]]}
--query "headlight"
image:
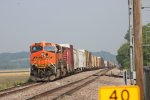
{"points": [[42, 54]]}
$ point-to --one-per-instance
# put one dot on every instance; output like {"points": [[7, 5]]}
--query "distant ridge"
{"points": [[106, 55], [20, 60], [17, 60]]}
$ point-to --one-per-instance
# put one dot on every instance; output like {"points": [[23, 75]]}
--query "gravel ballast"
{"points": [[90, 92], [51, 85]]}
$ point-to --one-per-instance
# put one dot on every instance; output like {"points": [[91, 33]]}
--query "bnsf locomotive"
{"points": [[50, 61]]}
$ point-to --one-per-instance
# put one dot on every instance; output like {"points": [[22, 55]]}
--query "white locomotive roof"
{"points": [[65, 45]]}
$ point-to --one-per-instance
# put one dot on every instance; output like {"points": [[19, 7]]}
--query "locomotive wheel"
{"points": [[58, 73], [52, 77], [64, 73]]}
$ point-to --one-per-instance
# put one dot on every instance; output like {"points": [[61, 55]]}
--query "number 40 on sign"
{"points": [[119, 93]]}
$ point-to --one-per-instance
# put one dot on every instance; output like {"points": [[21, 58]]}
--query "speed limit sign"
{"points": [[119, 93]]}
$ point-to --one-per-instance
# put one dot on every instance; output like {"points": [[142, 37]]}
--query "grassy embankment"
{"points": [[13, 78]]}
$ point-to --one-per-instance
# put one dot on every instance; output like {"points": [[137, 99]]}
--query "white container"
{"points": [[76, 58], [82, 58], [106, 63]]}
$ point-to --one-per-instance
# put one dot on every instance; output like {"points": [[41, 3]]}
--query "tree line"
{"points": [[123, 53]]}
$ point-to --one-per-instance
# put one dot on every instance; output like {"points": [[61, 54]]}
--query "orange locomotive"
{"points": [[48, 61]]}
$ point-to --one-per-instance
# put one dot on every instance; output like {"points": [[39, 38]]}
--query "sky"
{"points": [[94, 25]]}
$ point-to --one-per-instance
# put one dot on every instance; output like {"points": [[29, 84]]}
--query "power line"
{"points": [[144, 7]]}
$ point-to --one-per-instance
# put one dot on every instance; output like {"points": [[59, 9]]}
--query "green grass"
{"points": [[8, 80]]}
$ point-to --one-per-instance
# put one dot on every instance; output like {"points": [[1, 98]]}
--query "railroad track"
{"points": [[70, 88], [11, 88], [15, 90]]}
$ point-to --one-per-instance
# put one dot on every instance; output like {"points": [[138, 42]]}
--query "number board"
{"points": [[119, 93]]}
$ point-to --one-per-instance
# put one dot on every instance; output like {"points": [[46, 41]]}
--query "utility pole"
{"points": [[138, 48], [130, 5]]}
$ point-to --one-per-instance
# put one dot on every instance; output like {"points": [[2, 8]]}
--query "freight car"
{"points": [[50, 61], [109, 64]]}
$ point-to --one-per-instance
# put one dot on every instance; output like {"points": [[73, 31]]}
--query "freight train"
{"points": [[50, 61]]}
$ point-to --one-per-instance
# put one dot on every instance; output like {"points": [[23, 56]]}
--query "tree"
{"points": [[146, 44], [127, 36], [123, 56]]}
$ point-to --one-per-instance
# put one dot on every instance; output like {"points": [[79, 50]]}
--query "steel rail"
{"points": [[55, 91], [21, 88]]}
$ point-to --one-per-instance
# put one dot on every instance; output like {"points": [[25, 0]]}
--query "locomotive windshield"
{"points": [[49, 48], [36, 48]]}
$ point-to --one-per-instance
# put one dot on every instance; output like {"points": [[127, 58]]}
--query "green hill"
{"points": [[106, 55], [14, 60]]}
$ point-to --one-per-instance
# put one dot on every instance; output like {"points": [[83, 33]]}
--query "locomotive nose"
{"points": [[42, 60], [42, 54]]}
